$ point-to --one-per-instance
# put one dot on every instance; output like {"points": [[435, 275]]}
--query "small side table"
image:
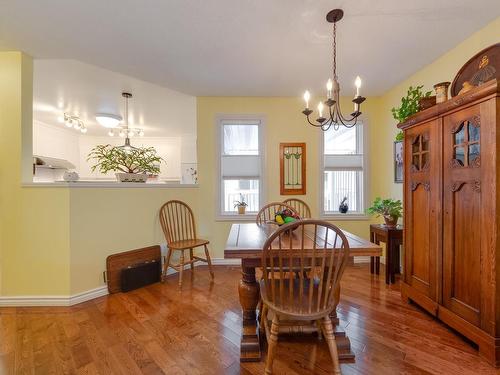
{"points": [[393, 238]]}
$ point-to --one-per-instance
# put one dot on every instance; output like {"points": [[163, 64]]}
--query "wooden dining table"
{"points": [[245, 242]]}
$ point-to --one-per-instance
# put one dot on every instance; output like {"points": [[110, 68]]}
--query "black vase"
{"points": [[343, 208]]}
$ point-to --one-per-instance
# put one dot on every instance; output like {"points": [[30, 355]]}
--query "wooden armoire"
{"points": [[451, 214]]}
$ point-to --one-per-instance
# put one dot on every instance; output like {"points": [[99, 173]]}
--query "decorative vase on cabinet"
{"points": [[450, 220]]}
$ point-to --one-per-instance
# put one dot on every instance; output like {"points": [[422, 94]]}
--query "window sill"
{"points": [[236, 217], [345, 217]]}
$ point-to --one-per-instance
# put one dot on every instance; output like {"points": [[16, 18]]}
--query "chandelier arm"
{"points": [[347, 122], [314, 124], [326, 128], [340, 118]]}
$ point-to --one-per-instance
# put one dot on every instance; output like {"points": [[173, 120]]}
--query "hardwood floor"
{"points": [[158, 329]]}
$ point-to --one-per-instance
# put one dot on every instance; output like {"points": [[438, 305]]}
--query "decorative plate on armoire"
{"points": [[482, 67]]}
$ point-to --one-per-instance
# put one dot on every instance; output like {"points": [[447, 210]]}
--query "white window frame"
{"points": [[348, 216], [220, 121]]}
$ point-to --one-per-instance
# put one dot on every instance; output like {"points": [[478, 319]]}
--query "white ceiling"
{"points": [[79, 89], [244, 47]]}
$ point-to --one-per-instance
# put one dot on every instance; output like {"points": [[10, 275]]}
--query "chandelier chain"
{"points": [[335, 51]]}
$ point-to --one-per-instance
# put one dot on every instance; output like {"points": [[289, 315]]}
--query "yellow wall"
{"points": [[54, 241], [284, 122], [442, 69], [108, 221], [34, 223]]}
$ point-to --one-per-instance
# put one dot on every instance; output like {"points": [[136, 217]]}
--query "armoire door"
{"points": [[462, 224], [422, 154]]}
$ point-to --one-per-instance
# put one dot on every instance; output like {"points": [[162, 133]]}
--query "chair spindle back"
{"points": [[177, 221], [267, 212], [317, 247], [300, 206]]}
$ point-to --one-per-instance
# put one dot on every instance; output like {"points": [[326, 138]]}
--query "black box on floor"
{"points": [[140, 275]]}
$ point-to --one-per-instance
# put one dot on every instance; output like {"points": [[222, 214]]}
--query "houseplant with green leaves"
{"points": [[241, 205], [391, 210], [410, 104], [130, 165]]}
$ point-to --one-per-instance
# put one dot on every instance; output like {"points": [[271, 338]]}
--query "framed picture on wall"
{"points": [[398, 162], [292, 168]]}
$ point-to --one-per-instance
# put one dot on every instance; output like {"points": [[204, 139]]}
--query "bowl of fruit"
{"points": [[285, 216]]}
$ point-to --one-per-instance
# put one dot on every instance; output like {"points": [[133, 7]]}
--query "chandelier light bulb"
{"points": [[307, 96], [329, 86], [357, 83], [131, 133], [77, 125], [320, 109], [121, 133], [83, 130], [141, 133], [69, 123], [111, 133]]}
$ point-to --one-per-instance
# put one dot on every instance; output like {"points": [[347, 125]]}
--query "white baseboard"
{"points": [[226, 262], [215, 262], [366, 259], [31, 301], [88, 295]]}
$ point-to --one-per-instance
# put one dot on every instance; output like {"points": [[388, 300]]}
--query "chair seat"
{"points": [[187, 244], [296, 307]]}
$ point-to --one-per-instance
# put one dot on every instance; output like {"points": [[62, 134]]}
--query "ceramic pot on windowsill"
{"points": [[391, 221], [242, 210], [131, 177]]}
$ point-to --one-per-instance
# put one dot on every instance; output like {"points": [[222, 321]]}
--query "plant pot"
{"points": [[425, 103], [131, 177], [242, 210], [391, 221]]}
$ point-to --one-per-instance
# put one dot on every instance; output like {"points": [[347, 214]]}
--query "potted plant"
{"points": [[399, 137], [130, 165], [389, 208], [414, 101], [343, 207], [241, 204]]}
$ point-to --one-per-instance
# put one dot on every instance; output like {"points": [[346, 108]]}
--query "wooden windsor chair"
{"points": [[300, 206], [266, 213], [320, 250], [177, 222]]}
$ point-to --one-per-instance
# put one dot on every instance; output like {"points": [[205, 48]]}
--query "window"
{"points": [[240, 164], [343, 170]]}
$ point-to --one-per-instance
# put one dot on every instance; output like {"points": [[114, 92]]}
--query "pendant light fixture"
{"points": [[127, 146], [334, 116], [112, 122]]}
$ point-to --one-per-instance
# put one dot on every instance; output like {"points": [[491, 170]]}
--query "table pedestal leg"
{"points": [[343, 342], [249, 298]]}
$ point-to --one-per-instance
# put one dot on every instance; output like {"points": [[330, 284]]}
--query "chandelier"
{"points": [[334, 116]]}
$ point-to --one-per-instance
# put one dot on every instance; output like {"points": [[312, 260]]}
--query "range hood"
{"points": [[47, 169]]}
